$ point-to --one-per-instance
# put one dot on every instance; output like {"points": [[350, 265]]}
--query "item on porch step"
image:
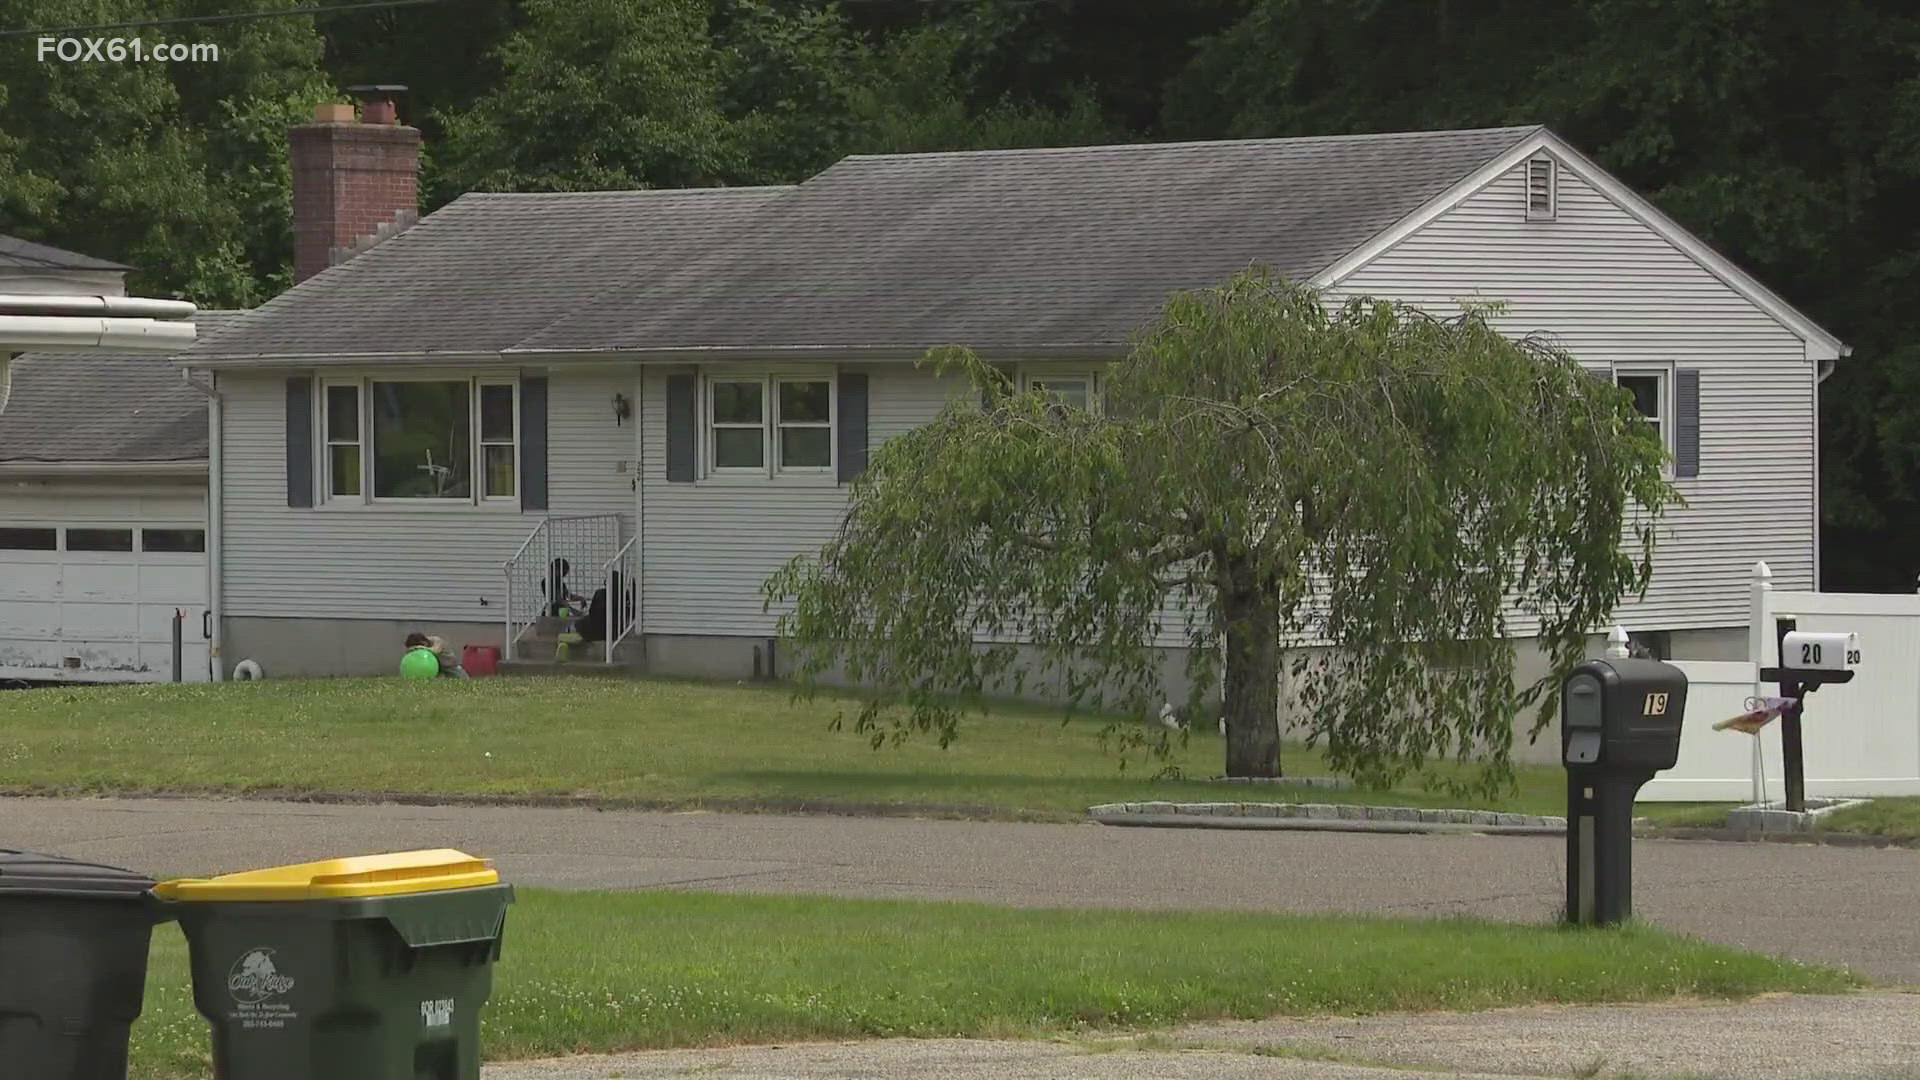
{"points": [[480, 659], [420, 663], [1760, 710], [563, 645]]}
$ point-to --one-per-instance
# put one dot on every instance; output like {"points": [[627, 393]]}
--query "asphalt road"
{"points": [[1849, 906]]}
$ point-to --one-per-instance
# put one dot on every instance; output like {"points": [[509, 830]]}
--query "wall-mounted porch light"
{"points": [[622, 409]]}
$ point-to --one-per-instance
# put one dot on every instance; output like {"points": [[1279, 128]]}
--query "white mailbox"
{"points": [[1819, 651]]}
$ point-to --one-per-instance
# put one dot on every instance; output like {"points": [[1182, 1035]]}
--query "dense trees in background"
{"points": [[180, 169], [1787, 134]]}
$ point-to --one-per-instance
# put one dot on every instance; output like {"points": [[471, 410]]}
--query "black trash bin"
{"points": [[73, 965], [369, 968]]}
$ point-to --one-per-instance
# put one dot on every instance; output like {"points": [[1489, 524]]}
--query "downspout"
{"points": [[1824, 369], [639, 582], [215, 515]]}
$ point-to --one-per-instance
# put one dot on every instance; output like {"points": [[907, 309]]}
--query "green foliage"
{"points": [[178, 169], [598, 94], [1407, 490], [920, 98]]}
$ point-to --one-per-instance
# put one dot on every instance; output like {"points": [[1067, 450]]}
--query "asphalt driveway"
{"points": [[1849, 906]]}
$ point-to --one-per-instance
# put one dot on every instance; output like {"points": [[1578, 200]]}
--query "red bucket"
{"points": [[480, 659]]}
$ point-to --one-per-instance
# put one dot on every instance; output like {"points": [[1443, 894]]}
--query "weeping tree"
{"points": [[1345, 511]]}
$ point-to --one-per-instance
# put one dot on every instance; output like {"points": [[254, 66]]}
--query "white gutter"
{"points": [[69, 332], [215, 514], [118, 307], [661, 356], [103, 468]]}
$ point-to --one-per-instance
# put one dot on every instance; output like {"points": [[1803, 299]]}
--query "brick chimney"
{"points": [[355, 182]]}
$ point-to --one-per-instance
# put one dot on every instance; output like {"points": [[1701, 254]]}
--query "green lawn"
{"points": [[588, 972], [667, 743], [1894, 818]]}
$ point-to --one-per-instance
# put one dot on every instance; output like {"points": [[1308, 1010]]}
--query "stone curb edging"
{"points": [[1773, 818], [1341, 817], [1191, 821]]}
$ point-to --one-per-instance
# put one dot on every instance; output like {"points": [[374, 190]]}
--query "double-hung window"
{"points": [[1068, 390], [1651, 387], [420, 440], [768, 425]]}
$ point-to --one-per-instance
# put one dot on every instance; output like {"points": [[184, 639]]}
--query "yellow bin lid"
{"points": [[391, 874]]}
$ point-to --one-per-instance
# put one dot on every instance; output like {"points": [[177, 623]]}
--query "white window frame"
{"points": [[780, 423], [1664, 424], [480, 445], [327, 442], [1031, 376], [770, 468], [476, 463], [710, 442], [1553, 188]]}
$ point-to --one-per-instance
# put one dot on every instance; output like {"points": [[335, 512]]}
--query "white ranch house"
{"points": [[677, 385]]}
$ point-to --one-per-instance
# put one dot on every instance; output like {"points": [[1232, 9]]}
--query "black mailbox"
{"points": [[1622, 714], [1619, 724]]}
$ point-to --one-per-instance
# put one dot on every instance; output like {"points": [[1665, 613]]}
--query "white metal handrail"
{"points": [[541, 571], [622, 583]]}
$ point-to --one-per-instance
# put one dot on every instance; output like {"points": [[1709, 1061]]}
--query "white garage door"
{"points": [[92, 595]]}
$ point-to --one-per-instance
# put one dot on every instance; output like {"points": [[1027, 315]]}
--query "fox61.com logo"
{"points": [[93, 50]]}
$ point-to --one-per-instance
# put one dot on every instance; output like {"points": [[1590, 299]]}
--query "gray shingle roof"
{"points": [[995, 249], [1017, 248], [485, 271], [104, 407], [25, 254]]}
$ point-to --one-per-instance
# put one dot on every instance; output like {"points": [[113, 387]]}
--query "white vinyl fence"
{"points": [[1858, 738]]}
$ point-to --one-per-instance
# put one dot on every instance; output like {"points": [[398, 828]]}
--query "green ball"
{"points": [[420, 664]]}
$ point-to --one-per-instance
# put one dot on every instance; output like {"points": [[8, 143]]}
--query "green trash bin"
{"points": [[73, 965], [374, 967]]}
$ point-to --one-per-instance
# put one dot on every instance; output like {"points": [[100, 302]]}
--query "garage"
{"points": [[91, 587], [103, 519]]}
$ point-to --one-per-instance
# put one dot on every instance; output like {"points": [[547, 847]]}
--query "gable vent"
{"points": [[1541, 193]]}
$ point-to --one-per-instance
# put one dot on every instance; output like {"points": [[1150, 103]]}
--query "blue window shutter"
{"points": [[852, 451], [533, 443], [300, 449], [680, 429], [1686, 422]]}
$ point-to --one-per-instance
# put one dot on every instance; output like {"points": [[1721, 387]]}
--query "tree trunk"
{"points": [[1250, 704]]}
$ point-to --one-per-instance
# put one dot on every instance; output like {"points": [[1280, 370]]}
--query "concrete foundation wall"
{"points": [[324, 648], [709, 657]]}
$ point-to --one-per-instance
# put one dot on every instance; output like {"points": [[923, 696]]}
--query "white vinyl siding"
{"points": [[709, 547], [394, 561], [1615, 294]]}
